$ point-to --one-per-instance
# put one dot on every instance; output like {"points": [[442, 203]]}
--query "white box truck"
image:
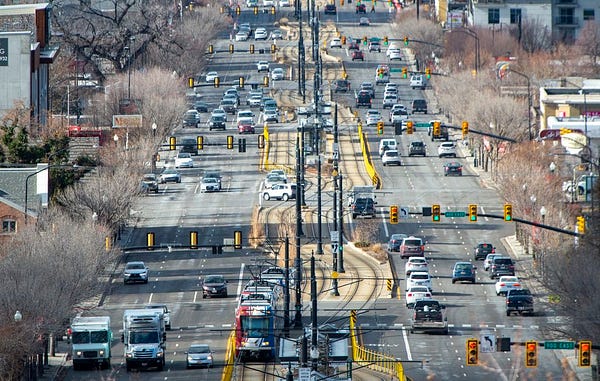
{"points": [[91, 339], [144, 337]]}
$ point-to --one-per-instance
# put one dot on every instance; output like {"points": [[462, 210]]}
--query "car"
{"points": [[373, 116], [231, 94], [213, 175], [341, 85], [507, 282], [254, 100], [398, 115], [419, 278], [241, 114], [391, 50], [246, 126], [210, 76], [416, 293], [353, 46], [189, 145], [217, 123], [447, 149], [136, 271], [184, 160], [241, 36], [463, 272], [280, 192], [268, 3], [201, 106], [170, 175], [285, 3], [330, 9], [214, 285], [273, 179], [335, 43], [276, 35], [387, 144], [165, 311], [361, 8], [417, 148], [390, 157], [390, 85], [395, 55], [389, 100], [191, 118], [278, 172], [368, 86], [363, 206], [395, 241], [199, 355], [488, 260], [419, 105], [358, 55], [390, 91], [482, 250], [251, 3], [519, 301], [262, 66], [412, 247], [363, 98], [416, 264], [149, 183], [261, 34], [418, 81], [364, 21], [453, 168], [219, 112], [271, 115], [269, 103], [277, 74], [501, 266], [228, 105], [374, 46]]}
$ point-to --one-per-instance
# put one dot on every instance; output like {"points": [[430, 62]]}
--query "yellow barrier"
{"points": [[372, 359], [229, 365], [375, 179]]}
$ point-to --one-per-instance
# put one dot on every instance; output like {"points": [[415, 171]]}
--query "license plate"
{"points": [[144, 364], [521, 308]]}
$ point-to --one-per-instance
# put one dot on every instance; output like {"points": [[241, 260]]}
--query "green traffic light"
{"points": [[436, 218], [508, 218], [473, 218]]}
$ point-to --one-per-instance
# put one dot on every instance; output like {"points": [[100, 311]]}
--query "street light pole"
{"points": [[529, 103], [27, 186]]}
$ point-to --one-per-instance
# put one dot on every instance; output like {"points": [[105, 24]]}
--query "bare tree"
{"points": [[535, 36], [426, 38], [589, 41]]}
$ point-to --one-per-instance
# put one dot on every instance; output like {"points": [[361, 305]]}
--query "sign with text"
{"points": [[127, 121], [3, 51]]}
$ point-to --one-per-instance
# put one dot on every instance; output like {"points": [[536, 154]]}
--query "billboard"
{"points": [[127, 121]]}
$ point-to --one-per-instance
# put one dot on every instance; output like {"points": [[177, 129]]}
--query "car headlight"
{"points": [[126, 275], [190, 358], [160, 354], [101, 352], [129, 355], [79, 353]]}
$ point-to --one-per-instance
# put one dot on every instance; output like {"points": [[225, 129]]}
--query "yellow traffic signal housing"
{"points": [[365, 40], [428, 73], [584, 353], [581, 224], [229, 141], [472, 352], [473, 212], [465, 128], [406, 40], [273, 10], [211, 49], [437, 128], [404, 73], [191, 82], [393, 214], [255, 10], [343, 40], [380, 128], [237, 239], [266, 81], [238, 10], [200, 142], [217, 82], [409, 127], [172, 143], [341, 2], [385, 40], [273, 48], [436, 213], [251, 48], [231, 48], [531, 356], [508, 212], [261, 141], [241, 82]]}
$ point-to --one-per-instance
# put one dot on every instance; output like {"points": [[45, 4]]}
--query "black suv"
{"points": [[189, 145], [341, 85], [330, 9], [483, 249], [363, 207], [419, 105], [502, 266], [417, 148], [363, 98], [217, 122]]}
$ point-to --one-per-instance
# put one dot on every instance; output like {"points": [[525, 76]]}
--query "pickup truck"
{"points": [[519, 301], [429, 315]]}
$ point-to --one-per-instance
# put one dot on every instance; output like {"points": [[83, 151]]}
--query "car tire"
{"points": [[453, 281], [507, 313], [266, 196], [285, 197]]}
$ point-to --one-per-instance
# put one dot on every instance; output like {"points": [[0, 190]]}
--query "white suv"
{"points": [[419, 278], [447, 149], [280, 192], [418, 81], [262, 66]]}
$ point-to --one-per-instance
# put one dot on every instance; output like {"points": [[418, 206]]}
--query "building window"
{"points": [[515, 15], [9, 226], [588, 15], [494, 16]]}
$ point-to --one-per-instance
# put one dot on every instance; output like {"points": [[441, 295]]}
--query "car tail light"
{"points": [[493, 250], [516, 285], [422, 247], [502, 284], [409, 295]]}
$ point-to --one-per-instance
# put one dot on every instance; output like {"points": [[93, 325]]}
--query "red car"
{"points": [[353, 46], [245, 128], [358, 55]]}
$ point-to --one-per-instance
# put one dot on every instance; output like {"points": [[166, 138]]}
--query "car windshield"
{"points": [[417, 144], [419, 276], [214, 279], [135, 266], [199, 349], [143, 337], [184, 156], [391, 153], [412, 242]]}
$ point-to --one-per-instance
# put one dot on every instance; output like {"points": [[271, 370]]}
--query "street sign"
{"points": [[334, 236], [455, 214], [304, 374], [404, 212], [559, 345], [487, 343], [396, 70], [334, 247], [421, 125]]}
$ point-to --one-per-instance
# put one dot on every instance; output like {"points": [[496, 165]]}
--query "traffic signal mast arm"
{"points": [[472, 131]]}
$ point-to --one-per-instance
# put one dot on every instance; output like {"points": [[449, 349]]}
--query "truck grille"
{"points": [[90, 354], [143, 354]]}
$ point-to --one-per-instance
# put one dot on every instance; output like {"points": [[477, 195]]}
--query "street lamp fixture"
{"points": [[552, 167], [529, 103], [543, 212], [473, 34], [154, 127], [18, 316]]}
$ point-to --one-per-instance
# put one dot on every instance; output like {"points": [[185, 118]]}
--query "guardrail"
{"points": [[366, 154]]}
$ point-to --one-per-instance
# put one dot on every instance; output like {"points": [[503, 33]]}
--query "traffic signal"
{"points": [[465, 128], [200, 142], [261, 141], [365, 40], [255, 10], [584, 353], [273, 48], [341, 2], [237, 239], [385, 40], [531, 354], [409, 127], [437, 128], [273, 10], [581, 224], [393, 214], [251, 48], [211, 49], [241, 82], [266, 81], [191, 82], [436, 213], [428, 73], [472, 352], [242, 145], [216, 82], [473, 212], [406, 40], [404, 73], [343, 40], [172, 143], [380, 128], [229, 141], [507, 212], [231, 48], [238, 10]]}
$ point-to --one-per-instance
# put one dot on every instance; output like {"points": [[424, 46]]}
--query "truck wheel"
{"points": [[128, 367], [507, 313], [285, 197], [266, 196], [354, 216]]}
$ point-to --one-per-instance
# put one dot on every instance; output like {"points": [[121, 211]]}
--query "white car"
{"points": [[416, 293], [261, 34], [506, 283], [390, 157], [270, 116], [280, 192], [209, 184], [262, 66], [284, 3], [389, 100], [273, 179], [447, 149], [373, 116], [268, 3], [395, 55], [488, 260], [244, 115], [252, 3], [335, 43], [241, 36], [278, 172], [364, 21], [210, 76], [416, 264], [419, 278], [418, 81], [184, 160], [276, 35], [391, 85], [277, 74]]}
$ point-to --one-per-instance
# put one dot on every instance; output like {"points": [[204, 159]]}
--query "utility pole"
{"points": [[340, 229], [314, 349], [334, 290], [298, 264], [286, 310]]}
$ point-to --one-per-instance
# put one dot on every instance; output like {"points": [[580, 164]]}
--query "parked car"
{"points": [[170, 175], [463, 272], [199, 355], [214, 285], [136, 271], [453, 168]]}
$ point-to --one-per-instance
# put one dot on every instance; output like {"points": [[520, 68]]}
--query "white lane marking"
{"points": [[385, 227], [239, 288], [406, 346]]}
